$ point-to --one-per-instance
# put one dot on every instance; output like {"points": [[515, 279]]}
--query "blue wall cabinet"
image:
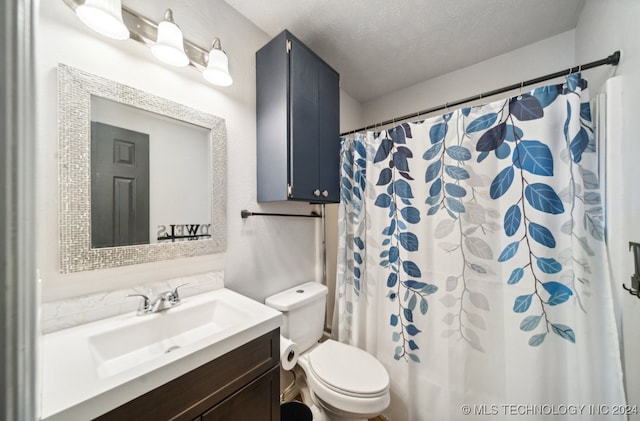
{"points": [[298, 123]]}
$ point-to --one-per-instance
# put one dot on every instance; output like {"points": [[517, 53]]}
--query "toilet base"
{"points": [[318, 409]]}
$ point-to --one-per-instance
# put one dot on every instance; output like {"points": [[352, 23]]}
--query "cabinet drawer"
{"points": [[190, 395], [257, 401]]}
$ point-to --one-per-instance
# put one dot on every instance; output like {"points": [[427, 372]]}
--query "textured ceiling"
{"points": [[380, 46]]}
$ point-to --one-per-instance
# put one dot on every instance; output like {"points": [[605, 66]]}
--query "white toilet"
{"points": [[343, 381]]}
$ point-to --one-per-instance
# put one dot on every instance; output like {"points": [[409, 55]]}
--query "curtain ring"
{"points": [[520, 94]]}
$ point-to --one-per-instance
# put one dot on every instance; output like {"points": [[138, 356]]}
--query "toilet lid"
{"points": [[348, 369]]}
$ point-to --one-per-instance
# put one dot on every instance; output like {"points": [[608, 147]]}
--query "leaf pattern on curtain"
{"points": [[486, 188]]}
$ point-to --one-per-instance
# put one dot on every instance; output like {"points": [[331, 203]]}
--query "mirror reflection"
{"points": [[149, 177], [186, 176]]}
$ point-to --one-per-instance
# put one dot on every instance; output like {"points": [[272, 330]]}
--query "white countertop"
{"points": [[76, 386]]}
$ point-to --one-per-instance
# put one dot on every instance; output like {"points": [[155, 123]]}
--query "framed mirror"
{"points": [[186, 200]]}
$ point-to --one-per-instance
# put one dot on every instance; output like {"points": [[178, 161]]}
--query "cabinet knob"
{"points": [[325, 193], [316, 193]]}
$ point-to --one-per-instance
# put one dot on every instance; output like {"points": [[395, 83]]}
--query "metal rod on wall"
{"points": [[245, 214], [613, 60]]}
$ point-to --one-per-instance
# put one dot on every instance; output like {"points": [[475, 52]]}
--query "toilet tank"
{"points": [[303, 308]]}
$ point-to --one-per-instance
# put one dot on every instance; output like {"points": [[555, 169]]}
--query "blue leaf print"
{"points": [[541, 235], [579, 144], [573, 81], [457, 173], [383, 150], [455, 205], [360, 149], [529, 323], [383, 200], [526, 107], [533, 156], [492, 138], [397, 135], [559, 293], [391, 228], [509, 251], [513, 133], [466, 111], [482, 122], [512, 220], [515, 276], [394, 254], [522, 303], [455, 190], [459, 153], [503, 151], [549, 265], [585, 111], [394, 320], [408, 240], [414, 285], [438, 132], [481, 156], [536, 340], [546, 95], [543, 198], [412, 345], [436, 187], [433, 210], [359, 243], [411, 214], [411, 269], [408, 315], [407, 129], [432, 152], [501, 183], [412, 330], [564, 332], [403, 189], [385, 177], [400, 161], [433, 171], [392, 279]]}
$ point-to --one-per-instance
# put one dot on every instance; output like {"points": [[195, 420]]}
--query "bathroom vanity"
{"points": [[240, 385], [213, 357]]}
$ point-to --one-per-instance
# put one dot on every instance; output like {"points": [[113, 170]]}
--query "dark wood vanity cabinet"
{"points": [[298, 123], [242, 385]]}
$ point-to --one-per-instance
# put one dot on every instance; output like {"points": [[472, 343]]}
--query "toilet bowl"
{"points": [[345, 380], [338, 381]]}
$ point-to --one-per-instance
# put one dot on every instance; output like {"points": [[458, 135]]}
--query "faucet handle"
{"points": [[176, 297], [145, 304]]}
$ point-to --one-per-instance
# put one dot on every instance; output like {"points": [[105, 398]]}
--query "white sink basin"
{"points": [[90, 369], [144, 338]]}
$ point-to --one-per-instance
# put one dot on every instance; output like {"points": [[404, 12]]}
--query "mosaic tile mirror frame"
{"points": [[75, 89]]}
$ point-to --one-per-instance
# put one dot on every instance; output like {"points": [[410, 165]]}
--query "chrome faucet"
{"points": [[165, 300]]}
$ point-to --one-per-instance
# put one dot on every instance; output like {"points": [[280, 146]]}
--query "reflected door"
{"points": [[119, 186]]}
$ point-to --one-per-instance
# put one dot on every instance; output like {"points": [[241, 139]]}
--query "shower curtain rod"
{"points": [[613, 60]]}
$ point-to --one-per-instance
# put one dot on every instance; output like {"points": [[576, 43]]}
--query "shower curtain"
{"points": [[471, 262]]}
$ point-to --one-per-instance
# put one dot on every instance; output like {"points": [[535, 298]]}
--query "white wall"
{"points": [[264, 255], [603, 28], [547, 56]]}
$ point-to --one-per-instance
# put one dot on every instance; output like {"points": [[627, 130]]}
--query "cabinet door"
{"points": [[329, 133], [304, 164], [258, 401]]}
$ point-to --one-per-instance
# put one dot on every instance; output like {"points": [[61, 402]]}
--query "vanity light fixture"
{"points": [[217, 71], [169, 46], [110, 18], [104, 17]]}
